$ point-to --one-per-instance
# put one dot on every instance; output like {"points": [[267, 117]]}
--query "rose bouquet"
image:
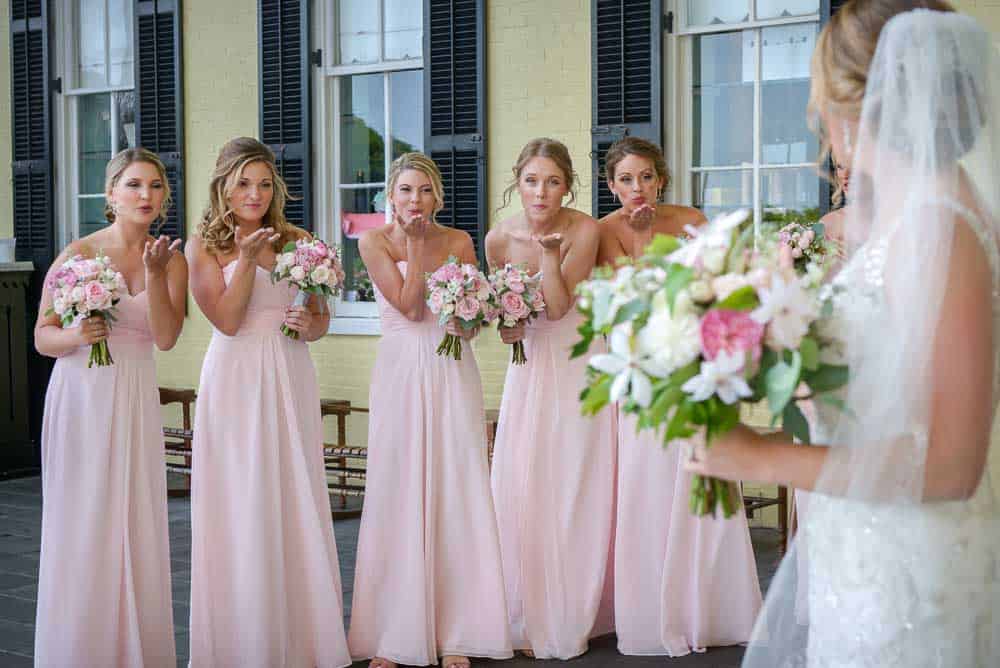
{"points": [[695, 328], [462, 292], [519, 298], [84, 287], [312, 266]]}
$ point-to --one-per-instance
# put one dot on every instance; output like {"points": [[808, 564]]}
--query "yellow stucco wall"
{"points": [[987, 11], [6, 187]]}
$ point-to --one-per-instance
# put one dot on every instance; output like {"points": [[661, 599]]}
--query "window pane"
{"points": [[359, 212], [358, 31], [772, 9], [94, 141], [713, 12], [92, 70], [362, 128], [120, 69], [403, 29], [125, 104], [91, 215], [723, 100], [790, 194], [785, 134], [719, 191], [406, 108]]}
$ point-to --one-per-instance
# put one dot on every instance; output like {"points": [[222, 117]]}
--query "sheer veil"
{"points": [[925, 157]]}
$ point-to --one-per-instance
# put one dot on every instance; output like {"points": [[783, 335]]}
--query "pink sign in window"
{"points": [[356, 224]]}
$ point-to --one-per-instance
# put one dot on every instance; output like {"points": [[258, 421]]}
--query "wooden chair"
{"points": [[492, 418], [336, 456], [754, 503], [177, 441]]}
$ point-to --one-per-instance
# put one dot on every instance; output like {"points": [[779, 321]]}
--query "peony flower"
{"points": [[722, 376], [723, 330], [515, 284], [513, 304], [467, 308], [320, 274], [787, 310], [671, 341], [98, 297], [298, 272]]}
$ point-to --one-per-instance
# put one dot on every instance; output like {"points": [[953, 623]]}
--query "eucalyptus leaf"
{"points": [[781, 380]]}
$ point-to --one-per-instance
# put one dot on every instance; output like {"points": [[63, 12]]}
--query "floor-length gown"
{"points": [[428, 580], [104, 576], [265, 579], [553, 486]]}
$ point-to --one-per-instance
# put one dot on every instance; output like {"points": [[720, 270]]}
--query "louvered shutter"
{"points": [[455, 110], [285, 98], [159, 115], [32, 150], [626, 67]]}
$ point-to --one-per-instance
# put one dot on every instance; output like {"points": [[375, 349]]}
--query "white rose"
{"points": [[671, 342], [298, 273], [701, 291], [59, 305], [727, 284], [76, 295], [320, 275]]}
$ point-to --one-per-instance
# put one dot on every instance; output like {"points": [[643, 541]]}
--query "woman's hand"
{"points": [[91, 330], [415, 229], [455, 329], [550, 243], [735, 455], [511, 335], [250, 245], [641, 218], [156, 255], [298, 318]]}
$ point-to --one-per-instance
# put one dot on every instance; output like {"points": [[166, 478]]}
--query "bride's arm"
{"points": [[961, 410]]}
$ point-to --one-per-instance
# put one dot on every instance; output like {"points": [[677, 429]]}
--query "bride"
{"points": [[901, 541]]}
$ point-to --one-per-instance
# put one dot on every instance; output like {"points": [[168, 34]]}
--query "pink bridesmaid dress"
{"points": [[104, 577], [553, 486], [265, 578], [428, 580], [682, 583]]}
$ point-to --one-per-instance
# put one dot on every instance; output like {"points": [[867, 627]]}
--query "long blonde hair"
{"points": [[543, 147], [122, 161], [419, 163], [217, 227]]}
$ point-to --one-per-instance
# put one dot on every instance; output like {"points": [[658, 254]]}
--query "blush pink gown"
{"points": [[428, 580], [553, 486], [265, 578], [682, 583], [104, 576]]}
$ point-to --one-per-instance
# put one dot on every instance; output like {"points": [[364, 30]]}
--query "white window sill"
{"points": [[355, 326]]}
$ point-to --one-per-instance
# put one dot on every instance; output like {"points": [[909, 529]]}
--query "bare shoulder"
{"points": [[583, 227], [458, 240], [683, 215]]}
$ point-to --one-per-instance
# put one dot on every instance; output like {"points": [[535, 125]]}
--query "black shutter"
{"points": [[285, 100], [32, 154], [455, 110], [627, 80], [159, 116]]}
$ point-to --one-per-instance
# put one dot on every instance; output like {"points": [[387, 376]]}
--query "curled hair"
{"points": [[627, 146], [217, 227], [122, 161], [543, 147], [419, 163]]}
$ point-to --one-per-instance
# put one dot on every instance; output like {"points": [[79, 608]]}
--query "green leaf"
{"points": [[794, 423], [722, 418], [630, 311], [826, 378], [288, 248], [819, 229], [662, 404], [743, 299], [810, 354], [596, 397], [678, 426], [685, 373], [678, 277], [582, 346], [781, 380], [837, 403], [663, 244]]}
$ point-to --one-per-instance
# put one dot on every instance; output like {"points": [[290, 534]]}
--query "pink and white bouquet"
{"points": [[697, 327], [806, 248], [519, 298], [461, 292], [312, 266], [84, 287]]}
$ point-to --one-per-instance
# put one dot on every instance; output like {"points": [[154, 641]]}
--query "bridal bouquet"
{"points": [[519, 298], [462, 292], [807, 249], [84, 287], [314, 267], [697, 327]]}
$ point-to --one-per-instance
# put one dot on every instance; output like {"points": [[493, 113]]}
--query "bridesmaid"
{"points": [[104, 576], [681, 583], [428, 581], [553, 469], [265, 580]]}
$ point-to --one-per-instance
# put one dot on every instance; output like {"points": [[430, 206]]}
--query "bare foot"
{"points": [[379, 662], [455, 661]]}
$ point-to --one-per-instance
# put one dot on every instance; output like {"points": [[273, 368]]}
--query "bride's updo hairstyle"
{"points": [[840, 66]]}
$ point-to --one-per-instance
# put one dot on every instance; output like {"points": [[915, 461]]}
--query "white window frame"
{"points": [[355, 318], [66, 125], [678, 103]]}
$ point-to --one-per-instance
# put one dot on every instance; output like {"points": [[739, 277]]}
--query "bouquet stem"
{"points": [[708, 494], [519, 356], [300, 299], [100, 354], [450, 345]]}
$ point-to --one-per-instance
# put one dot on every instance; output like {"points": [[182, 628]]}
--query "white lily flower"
{"points": [[787, 309], [717, 234], [722, 376], [630, 369]]}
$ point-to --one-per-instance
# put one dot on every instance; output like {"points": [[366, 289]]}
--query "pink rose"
{"points": [[515, 284], [452, 272], [97, 296], [436, 301], [732, 331], [514, 305], [467, 308], [537, 300]]}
